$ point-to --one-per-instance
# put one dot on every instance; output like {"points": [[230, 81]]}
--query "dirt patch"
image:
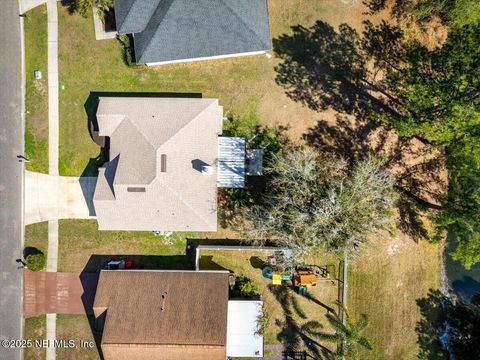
{"points": [[39, 125]]}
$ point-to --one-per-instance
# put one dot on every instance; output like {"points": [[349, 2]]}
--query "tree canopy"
{"points": [[315, 202], [437, 92], [438, 95], [382, 77]]}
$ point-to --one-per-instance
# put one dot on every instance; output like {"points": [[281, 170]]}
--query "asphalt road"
{"points": [[11, 174]]}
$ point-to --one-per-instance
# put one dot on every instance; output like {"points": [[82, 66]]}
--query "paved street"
{"points": [[11, 144]]}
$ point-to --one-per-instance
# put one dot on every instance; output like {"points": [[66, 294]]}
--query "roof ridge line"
{"points": [[257, 36], [185, 203], [126, 118], [147, 45], [188, 122], [128, 13]]}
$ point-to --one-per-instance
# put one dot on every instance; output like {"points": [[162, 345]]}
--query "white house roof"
{"points": [[242, 340]]}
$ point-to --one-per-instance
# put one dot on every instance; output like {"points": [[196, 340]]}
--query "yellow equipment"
{"points": [[277, 279]]}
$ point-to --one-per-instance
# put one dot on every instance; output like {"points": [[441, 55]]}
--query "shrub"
{"points": [[249, 288], [256, 136], [35, 262], [127, 49]]}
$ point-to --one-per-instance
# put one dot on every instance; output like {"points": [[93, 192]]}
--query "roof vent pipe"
{"points": [[207, 170]]}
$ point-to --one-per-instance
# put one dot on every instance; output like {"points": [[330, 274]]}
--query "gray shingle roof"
{"points": [[166, 30]]}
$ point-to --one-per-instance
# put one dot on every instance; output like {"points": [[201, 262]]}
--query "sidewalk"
{"points": [[53, 143]]}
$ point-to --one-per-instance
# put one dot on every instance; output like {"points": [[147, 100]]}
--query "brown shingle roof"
{"points": [[141, 130], [193, 320]]}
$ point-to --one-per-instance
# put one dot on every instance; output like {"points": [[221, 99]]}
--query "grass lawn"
{"points": [[80, 239], [35, 329], [36, 235], [244, 85], [385, 284], [36, 99], [75, 327], [288, 310]]}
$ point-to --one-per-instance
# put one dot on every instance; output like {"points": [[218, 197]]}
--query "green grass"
{"points": [[35, 329], [36, 97], [80, 239], [76, 327], [243, 85], [36, 235]]}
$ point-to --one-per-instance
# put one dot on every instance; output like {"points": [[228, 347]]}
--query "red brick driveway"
{"points": [[60, 293]]}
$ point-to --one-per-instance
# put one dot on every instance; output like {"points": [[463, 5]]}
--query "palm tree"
{"points": [[348, 337]]}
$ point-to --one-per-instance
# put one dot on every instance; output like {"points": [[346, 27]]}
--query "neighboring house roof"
{"points": [[154, 179], [173, 315], [168, 30]]}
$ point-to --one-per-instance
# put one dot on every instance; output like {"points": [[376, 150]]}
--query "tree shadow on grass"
{"points": [[430, 325], [293, 334], [322, 68], [257, 263], [418, 170], [30, 250]]}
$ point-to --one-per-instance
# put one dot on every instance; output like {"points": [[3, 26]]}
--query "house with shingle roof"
{"points": [[161, 174], [174, 315], [166, 159], [170, 31]]}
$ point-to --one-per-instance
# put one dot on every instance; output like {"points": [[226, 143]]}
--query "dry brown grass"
{"points": [[35, 329], [383, 286], [385, 283], [77, 328], [243, 85]]}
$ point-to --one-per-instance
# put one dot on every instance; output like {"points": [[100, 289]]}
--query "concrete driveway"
{"points": [[50, 197]]}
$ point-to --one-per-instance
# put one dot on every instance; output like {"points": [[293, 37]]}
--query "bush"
{"points": [[256, 136], [127, 49], [248, 288], [36, 262]]}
